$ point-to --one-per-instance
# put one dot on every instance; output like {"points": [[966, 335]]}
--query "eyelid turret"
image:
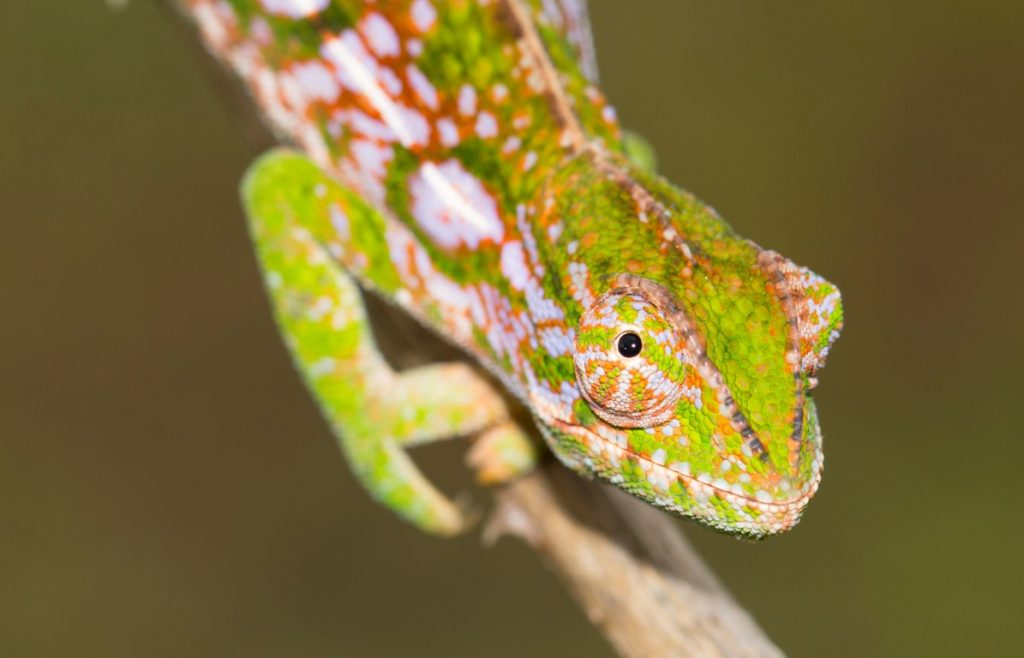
{"points": [[636, 382]]}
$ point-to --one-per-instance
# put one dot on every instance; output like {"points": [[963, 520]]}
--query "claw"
{"points": [[500, 454]]}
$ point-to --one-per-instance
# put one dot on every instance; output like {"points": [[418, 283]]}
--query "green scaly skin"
{"points": [[457, 157]]}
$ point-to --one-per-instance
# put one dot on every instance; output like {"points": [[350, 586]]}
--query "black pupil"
{"points": [[629, 344]]}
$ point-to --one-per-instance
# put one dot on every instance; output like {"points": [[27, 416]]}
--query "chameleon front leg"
{"points": [[374, 411]]}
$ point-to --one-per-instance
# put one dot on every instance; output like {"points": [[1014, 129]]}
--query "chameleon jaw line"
{"points": [[783, 514]]}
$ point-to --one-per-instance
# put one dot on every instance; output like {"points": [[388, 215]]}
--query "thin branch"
{"points": [[627, 564], [629, 567]]}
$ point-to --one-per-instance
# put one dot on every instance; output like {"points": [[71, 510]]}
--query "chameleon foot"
{"points": [[501, 454]]}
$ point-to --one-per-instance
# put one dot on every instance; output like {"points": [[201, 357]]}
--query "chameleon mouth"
{"points": [[775, 515]]}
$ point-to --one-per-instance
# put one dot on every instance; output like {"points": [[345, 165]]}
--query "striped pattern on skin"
{"points": [[511, 223]]}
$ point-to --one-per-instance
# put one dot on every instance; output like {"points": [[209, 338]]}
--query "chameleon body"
{"points": [[457, 157]]}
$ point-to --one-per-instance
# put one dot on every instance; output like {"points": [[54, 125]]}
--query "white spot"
{"points": [[683, 468], [295, 8], [379, 35], [511, 145], [453, 207], [324, 366], [529, 160], [486, 125], [421, 85], [371, 157], [392, 83], [499, 93], [211, 25], [320, 308], [416, 124], [423, 14], [339, 221], [313, 142], [455, 302], [316, 81], [513, 264], [467, 100], [259, 30], [448, 133], [368, 126]]}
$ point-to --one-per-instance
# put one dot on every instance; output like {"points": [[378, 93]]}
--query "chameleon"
{"points": [[458, 159]]}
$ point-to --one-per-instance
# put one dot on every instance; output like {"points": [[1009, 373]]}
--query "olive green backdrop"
{"points": [[169, 490]]}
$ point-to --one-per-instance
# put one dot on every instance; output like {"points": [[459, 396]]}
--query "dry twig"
{"points": [[629, 567]]}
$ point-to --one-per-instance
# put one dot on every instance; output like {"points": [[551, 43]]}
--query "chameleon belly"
{"points": [[482, 185]]}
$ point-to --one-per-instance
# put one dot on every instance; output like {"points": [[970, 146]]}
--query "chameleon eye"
{"points": [[629, 360], [629, 344]]}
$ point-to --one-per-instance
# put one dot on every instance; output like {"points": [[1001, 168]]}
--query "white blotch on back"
{"points": [[453, 206], [448, 132], [416, 126], [295, 8], [313, 143], [467, 100], [212, 24], [379, 35], [316, 81], [367, 125], [421, 85], [423, 14], [513, 264], [371, 157], [486, 125], [499, 93], [259, 30], [339, 221]]}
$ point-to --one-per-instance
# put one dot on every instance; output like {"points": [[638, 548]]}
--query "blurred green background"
{"points": [[169, 489]]}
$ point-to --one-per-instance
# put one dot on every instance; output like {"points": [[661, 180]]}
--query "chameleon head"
{"points": [[694, 356]]}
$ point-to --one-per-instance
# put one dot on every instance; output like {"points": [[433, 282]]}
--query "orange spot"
{"points": [[635, 266], [589, 240]]}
